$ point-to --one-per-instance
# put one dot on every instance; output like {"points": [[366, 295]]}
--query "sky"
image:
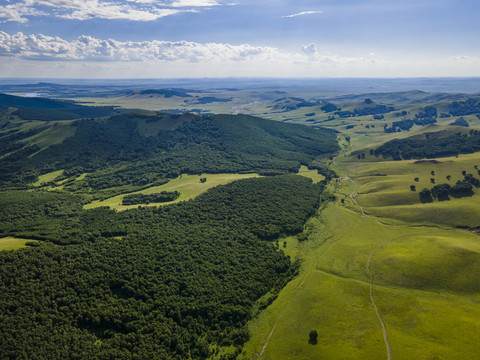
{"points": [[239, 38]]}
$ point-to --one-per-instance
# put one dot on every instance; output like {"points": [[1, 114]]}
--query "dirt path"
{"points": [[372, 299], [353, 196]]}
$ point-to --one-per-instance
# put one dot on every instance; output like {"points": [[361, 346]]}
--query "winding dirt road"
{"points": [[372, 299]]}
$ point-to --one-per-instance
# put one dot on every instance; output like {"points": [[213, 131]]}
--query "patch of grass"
{"points": [[11, 243], [312, 174], [53, 135], [46, 178], [189, 187]]}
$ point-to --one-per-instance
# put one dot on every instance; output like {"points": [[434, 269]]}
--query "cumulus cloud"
{"points": [[134, 10], [310, 50], [302, 14], [42, 47], [17, 12]]}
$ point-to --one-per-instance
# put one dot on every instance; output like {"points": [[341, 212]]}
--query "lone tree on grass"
{"points": [[413, 187], [313, 337]]}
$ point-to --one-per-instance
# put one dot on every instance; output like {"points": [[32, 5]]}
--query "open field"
{"points": [[189, 187], [383, 189], [312, 174], [424, 288], [10, 243], [46, 178]]}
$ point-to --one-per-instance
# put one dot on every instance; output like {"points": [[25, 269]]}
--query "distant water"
{"points": [[328, 85], [35, 94]]}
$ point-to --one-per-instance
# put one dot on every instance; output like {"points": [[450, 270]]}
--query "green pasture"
{"points": [[48, 177], [11, 243], [189, 187], [425, 286], [383, 189], [312, 174]]}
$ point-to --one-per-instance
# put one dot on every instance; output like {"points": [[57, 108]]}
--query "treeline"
{"points": [[430, 146], [468, 107], [164, 196], [442, 192], [116, 154], [426, 117], [155, 283]]}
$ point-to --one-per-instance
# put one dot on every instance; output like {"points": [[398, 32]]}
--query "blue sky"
{"points": [[216, 38]]}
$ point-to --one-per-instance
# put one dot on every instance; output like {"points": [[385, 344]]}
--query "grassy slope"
{"points": [[10, 243], [426, 278], [390, 195], [331, 294], [189, 187]]}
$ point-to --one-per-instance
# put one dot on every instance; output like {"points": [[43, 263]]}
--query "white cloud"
{"points": [[302, 14], [40, 55], [87, 48], [194, 3], [134, 10], [466, 58], [310, 50], [17, 13]]}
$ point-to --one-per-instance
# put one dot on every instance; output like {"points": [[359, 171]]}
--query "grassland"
{"points": [[46, 178], [384, 189], [312, 174], [424, 268], [10, 243], [189, 187], [425, 287]]}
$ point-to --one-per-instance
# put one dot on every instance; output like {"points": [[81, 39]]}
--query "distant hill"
{"points": [[36, 102], [44, 109], [141, 148], [401, 97], [167, 93]]}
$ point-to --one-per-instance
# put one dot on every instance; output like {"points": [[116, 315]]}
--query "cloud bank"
{"points": [[87, 48]]}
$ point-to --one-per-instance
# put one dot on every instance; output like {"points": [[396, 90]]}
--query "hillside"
{"points": [[139, 148], [172, 281]]}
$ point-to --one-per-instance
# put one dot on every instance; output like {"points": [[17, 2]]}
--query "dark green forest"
{"points": [[172, 282], [115, 153], [431, 145], [164, 196], [149, 283]]}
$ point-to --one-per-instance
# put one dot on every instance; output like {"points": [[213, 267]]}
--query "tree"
{"points": [[202, 180], [425, 196], [416, 179], [413, 188], [432, 172], [313, 337], [449, 177]]}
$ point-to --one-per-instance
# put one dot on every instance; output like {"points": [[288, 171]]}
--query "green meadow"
{"points": [[189, 187], [11, 243], [425, 285], [383, 189]]}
